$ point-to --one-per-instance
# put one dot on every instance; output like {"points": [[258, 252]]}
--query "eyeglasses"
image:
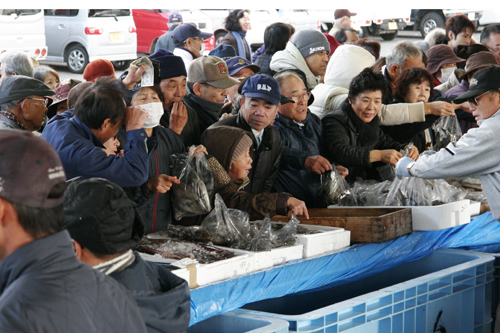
{"points": [[298, 98], [45, 100], [474, 100]]}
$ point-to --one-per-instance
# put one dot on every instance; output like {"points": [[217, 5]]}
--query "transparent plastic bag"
{"points": [[408, 191], [443, 192], [286, 235], [223, 226], [262, 241], [332, 185], [446, 129], [365, 193], [192, 196]]}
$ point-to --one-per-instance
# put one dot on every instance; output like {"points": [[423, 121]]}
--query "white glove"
{"points": [[402, 167]]}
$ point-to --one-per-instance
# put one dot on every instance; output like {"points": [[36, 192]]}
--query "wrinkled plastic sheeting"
{"points": [[358, 262]]}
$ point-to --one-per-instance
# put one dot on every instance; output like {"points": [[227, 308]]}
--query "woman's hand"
{"points": [[298, 207], [413, 154]]}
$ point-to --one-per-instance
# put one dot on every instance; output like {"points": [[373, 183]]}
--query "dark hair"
{"points": [[76, 92], [103, 99], [367, 80], [232, 23], [276, 36], [409, 76], [292, 29], [487, 31], [281, 75], [458, 24], [41, 72], [40, 222], [371, 46], [341, 35], [465, 51], [156, 88]]}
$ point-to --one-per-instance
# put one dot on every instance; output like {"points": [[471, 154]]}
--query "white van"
{"points": [[78, 36], [23, 30]]}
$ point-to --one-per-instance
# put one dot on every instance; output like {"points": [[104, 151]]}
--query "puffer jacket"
{"points": [[347, 62], [163, 298], [291, 57], [299, 142], [342, 137], [264, 61], [266, 159]]}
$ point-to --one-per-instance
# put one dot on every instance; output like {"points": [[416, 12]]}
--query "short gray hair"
{"points": [[11, 104], [400, 53], [18, 62]]}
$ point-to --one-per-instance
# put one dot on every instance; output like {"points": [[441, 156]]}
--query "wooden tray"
{"points": [[367, 225]]}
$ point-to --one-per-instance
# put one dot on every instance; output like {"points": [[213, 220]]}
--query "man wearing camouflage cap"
{"points": [[23, 104], [208, 81]]}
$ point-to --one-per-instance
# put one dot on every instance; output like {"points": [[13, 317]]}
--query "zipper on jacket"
{"points": [[157, 194]]}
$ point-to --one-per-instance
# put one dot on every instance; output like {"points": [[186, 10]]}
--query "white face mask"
{"points": [[155, 111], [202, 49], [446, 73]]}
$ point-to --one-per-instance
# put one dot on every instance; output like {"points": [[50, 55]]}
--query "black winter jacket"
{"points": [[191, 133], [163, 297], [266, 160], [299, 142], [263, 62], [349, 141], [206, 111]]}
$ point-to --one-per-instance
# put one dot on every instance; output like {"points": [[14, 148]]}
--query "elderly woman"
{"points": [[230, 160], [415, 85], [153, 197], [352, 134], [237, 24]]}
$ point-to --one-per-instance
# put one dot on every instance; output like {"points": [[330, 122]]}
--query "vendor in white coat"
{"points": [[478, 151]]}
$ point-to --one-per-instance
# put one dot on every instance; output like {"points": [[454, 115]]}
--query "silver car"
{"points": [[78, 36]]}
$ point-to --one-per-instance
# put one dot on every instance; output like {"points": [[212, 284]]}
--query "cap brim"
{"points": [[228, 82], [204, 35], [254, 68], [311, 100], [271, 99], [286, 100], [471, 93]]}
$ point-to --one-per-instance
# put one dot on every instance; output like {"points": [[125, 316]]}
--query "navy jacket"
{"points": [[82, 155], [45, 288], [299, 142], [163, 298]]}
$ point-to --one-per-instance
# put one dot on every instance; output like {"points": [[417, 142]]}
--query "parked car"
{"points": [[426, 20], [386, 23], [152, 23], [78, 36], [300, 18], [490, 16]]}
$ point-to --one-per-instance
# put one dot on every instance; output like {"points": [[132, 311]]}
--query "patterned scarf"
{"points": [[12, 117]]}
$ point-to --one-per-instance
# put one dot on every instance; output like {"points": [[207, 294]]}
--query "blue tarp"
{"points": [[361, 260]]}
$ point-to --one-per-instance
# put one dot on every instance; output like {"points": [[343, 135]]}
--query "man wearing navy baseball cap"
{"points": [[239, 69], [260, 99], [477, 152], [165, 41], [188, 40]]}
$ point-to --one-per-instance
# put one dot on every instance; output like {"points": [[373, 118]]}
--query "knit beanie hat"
{"points": [[310, 42], [170, 64], [98, 68], [244, 143]]}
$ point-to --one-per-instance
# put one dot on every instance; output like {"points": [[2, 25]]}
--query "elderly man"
{"points": [[308, 51], [475, 153], [78, 136], [490, 37], [239, 69], [43, 286], [166, 41], [259, 102], [342, 20], [16, 63], [208, 83], [23, 103], [188, 40], [106, 228], [180, 118], [302, 133]]}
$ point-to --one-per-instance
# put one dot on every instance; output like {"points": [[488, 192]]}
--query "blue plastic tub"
{"points": [[447, 291], [232, 322]]}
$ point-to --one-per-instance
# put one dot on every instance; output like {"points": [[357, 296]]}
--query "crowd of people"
{"points": [[86, 167]]}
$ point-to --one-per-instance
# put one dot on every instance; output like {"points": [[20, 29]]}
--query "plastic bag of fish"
{"points": [[332, 185], [192, 196]]}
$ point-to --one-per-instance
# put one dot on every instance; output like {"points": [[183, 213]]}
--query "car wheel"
{"points": [[389, 36], [218, 37], [429, 22], [121, 65], [77, 59]]}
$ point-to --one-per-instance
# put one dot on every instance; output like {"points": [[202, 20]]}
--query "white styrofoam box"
{"points": [[239, 265], [475, 208], [277, 256], [329, 240]]}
